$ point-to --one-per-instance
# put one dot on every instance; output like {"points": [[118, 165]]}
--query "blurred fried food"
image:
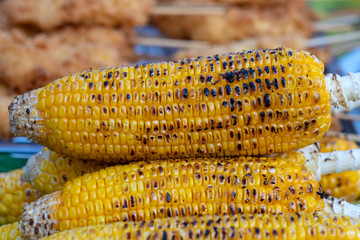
{"points": [[28, 62], [296, 41], [240, 22], [5, 100], [47, 14]]}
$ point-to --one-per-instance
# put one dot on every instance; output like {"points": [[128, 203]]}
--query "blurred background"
{"points": [[41, 40]]}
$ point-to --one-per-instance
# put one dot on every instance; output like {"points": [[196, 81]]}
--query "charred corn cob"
{"points": [[158, 189], [48, 171], [10, 231], [345, 184], [249, 103], [294, 226], [14, 193]]}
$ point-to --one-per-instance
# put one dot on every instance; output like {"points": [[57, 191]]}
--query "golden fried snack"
{"points": [[47, 14], [240, 22], [6, 97], [28, 62]]}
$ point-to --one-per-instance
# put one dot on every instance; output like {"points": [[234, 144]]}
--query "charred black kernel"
{"points": [[258, 56], [125, 205], [231, 63], [252, 86], [168, 197], [245, 88], [188, 78], [282, 67], [185, 93], [268, 84], [211, 67], [206, 92], [104, 110], [248, 118], [239, 146], [27, 111], [266, 69], [235, 119], [259, 82], [128, 96], [244, 73], [202, 78], [267, 100], [260, 71], [257, 232], [132, 200], [225, 103], [274, 69], [224, 65], [275, 233], [237, 90], [252, 72], [239, 105], [91, 85], [125, 74], [151, 72], [110, 74], [207, 233], [237, 74], [290, 53], [213, 92], [275, 83], [228, 89], [209, 78], [221, 91], [232, 104], [262, 116], [216, 57], [99, 97]]}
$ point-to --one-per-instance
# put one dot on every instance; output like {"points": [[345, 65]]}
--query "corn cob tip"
{"points": [[24, 117], [39, 219], [31, 168]]}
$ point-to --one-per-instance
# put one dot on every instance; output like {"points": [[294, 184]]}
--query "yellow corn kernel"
{"points": [[48, 171], [14, 193], [10, 232], [264, 101], [239, 226], [341, 185], [184, 187]]}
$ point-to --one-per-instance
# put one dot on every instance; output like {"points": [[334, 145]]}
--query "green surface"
{"points": [[7, 163], [324, 7]]}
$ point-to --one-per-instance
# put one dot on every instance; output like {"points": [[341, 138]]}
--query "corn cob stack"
{"points": [[10, 231], [344, 185], [159, 189], [48, 171], [14, 193], [250, 103], [294, 226]]}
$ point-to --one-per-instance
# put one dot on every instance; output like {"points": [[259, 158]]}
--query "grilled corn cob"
{"points": [[294, 226], [48, 171], [10, 231], [249, 103], [168, 188], [345, 184], [14, 193]]}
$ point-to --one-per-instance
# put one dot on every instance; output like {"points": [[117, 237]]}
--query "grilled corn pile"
{"points": [[187, 127], [240, 226]]}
